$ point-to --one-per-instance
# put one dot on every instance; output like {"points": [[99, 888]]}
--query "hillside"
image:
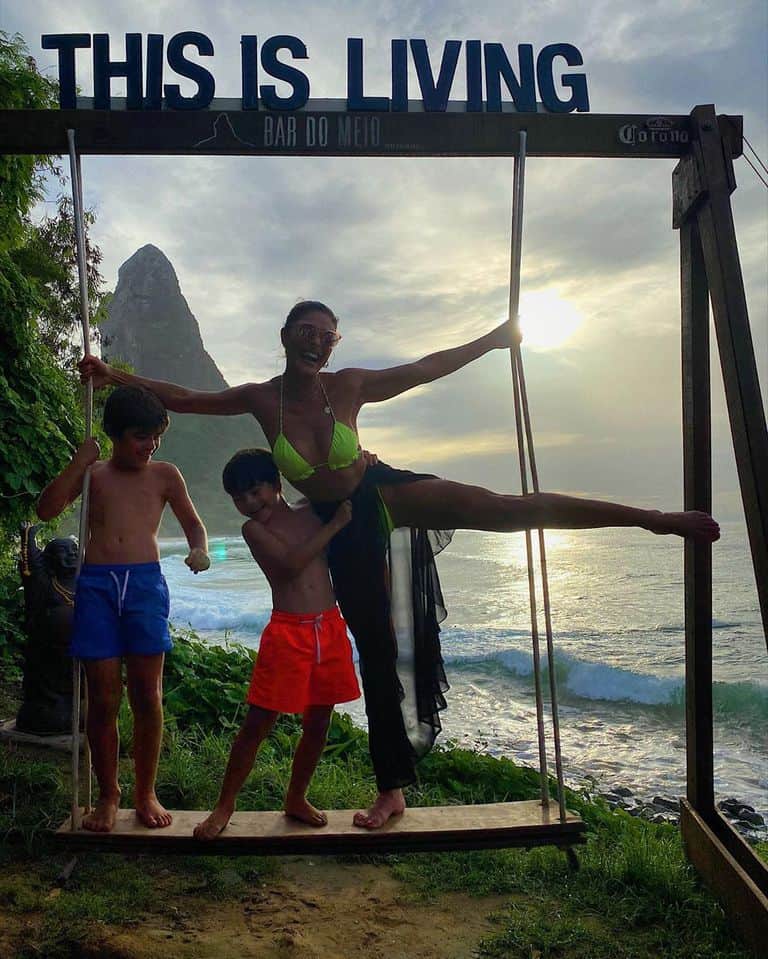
{"points": [[151, 327]]}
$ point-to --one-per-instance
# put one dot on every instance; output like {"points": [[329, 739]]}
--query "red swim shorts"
{"points": [[304, 660]]}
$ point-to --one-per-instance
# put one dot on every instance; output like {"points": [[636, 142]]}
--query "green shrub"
{"points": [[205, 685], [40, 407]]}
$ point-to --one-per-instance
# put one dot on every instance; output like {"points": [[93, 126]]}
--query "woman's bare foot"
{"points": [[102, 816], [299, 808], [150, 813], [390, 802], [692, 524], [214, 824]]}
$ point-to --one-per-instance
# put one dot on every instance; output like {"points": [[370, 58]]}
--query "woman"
{"points": [[309, 418]]}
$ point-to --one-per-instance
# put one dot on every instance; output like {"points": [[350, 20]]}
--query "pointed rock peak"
{"points": [[149, 324], [147, 261]]}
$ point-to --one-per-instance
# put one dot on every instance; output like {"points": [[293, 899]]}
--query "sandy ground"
{"points": [[314, 909]]}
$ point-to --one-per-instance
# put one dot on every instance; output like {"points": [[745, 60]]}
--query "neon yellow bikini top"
{"points": [[344, 449]]}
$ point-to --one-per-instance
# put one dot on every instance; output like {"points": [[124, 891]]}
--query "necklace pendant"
{"points": [[327, 409]]}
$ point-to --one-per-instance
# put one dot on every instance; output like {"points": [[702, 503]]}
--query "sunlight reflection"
{"points": [[510, 547]]}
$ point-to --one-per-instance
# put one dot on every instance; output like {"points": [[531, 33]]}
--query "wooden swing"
{"points": [[438, 828]]}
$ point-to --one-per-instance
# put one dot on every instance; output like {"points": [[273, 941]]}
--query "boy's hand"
{"points": [[92, 368], [343, 515], [88, 452], [198, 560], [370, 459]]}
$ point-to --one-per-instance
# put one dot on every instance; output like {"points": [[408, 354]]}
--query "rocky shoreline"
{"points": [[663, 809]]}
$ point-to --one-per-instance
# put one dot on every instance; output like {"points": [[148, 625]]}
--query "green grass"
{"points": [[34, 797], [634, 895], [112, 890]]}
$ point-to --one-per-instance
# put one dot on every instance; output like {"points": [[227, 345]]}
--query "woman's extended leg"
{"points": [[442, 504]]}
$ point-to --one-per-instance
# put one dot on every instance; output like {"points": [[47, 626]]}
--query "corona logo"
{"points": [[657, 130]]}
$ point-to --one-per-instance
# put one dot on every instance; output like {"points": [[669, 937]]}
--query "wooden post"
{"points": [[734, 339], [742, 892], [709, 267], [697, 470]]}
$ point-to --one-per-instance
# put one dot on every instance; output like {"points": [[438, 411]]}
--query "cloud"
{"points": [[411, 447], [628, 33]]}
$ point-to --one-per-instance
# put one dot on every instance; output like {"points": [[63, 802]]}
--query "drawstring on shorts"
{"points": [[120, 594], [315, 622]]}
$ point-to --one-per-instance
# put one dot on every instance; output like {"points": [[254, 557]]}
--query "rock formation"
{"points": [[150, 326]]}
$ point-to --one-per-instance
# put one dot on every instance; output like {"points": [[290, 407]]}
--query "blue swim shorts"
{"points": [[120, 610]]}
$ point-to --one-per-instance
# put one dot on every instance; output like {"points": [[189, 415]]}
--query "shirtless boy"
{"points": [[304, 663], [121, 600]]}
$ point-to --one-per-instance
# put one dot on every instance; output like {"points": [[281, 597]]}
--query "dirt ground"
{"points": [[313, 909]]}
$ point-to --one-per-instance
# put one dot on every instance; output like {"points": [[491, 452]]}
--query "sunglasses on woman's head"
{"points": [[307, 332]]}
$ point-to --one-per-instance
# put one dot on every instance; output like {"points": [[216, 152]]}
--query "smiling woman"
{"points": [[547, 320]]}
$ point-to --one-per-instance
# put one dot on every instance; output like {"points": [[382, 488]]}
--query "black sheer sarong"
{"points": [[389, 593]]}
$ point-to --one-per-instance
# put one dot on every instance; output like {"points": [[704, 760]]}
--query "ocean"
{"points": [[617, 614]]}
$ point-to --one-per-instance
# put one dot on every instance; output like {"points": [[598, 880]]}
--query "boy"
{"points": [[304, 663], [121, 600]]}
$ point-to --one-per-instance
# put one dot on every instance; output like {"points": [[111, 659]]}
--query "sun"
{"points": [[547, 320]]}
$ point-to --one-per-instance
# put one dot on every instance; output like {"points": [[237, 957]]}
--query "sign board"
{"points": [[539, 94], [327, 128]]}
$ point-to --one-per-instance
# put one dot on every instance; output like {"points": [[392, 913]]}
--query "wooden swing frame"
{"points": [[705, 145]]}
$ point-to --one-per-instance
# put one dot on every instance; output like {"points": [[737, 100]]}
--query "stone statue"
{"points": [[48, 578]]}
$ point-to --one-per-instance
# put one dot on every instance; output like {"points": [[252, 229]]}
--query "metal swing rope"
{"points": [[79, 223], [525, 440]]}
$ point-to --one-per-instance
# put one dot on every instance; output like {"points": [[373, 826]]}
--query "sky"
{"points": [[413, 254]]}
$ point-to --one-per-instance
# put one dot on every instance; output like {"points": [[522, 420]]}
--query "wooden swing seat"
{"points": [[424, 829]]}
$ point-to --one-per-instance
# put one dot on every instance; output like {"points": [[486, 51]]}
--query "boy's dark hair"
{"points": [[247, 469], [133, 408]]}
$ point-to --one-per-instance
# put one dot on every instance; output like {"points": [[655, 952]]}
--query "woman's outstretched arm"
{"points": [[378, 385], [178, 399]]}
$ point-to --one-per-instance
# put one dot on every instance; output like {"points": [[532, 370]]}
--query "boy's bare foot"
{"points": [[102, 817], [692, 524], [212, 825], [150, 813], [304, 811], [390, 802]]}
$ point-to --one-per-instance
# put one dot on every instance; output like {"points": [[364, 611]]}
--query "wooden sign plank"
{"points": [[326, 128], [494, 825]]}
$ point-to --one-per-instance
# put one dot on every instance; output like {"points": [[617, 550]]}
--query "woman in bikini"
{"points": [[382, 563]]}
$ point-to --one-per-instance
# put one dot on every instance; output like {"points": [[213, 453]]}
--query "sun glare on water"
{"points": [[546, 320]]}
